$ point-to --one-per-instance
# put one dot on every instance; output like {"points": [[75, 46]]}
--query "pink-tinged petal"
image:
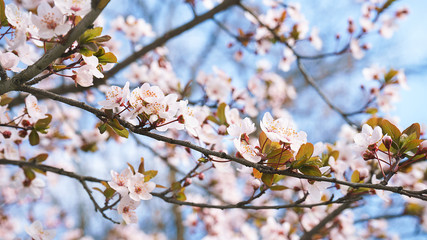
{"points": [[62, 29], [376, 135]]}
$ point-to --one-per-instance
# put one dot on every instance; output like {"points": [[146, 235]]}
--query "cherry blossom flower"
{"points": [[26, 187], [287, 60], [34, 110], [273, 230], [245, 126], [247, 151], [120, 181], [50, 21], [36, 231], [282, 130], [127, 208], [84, 75], [355, 49], [315, 40], [116, 97], [140, 190], [9, 61], [74, 7], [316, 190], [368, 136]]}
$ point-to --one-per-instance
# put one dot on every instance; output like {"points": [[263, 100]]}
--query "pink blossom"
{"points": [[50, 21], [36, 231], [34, 110], [127, 208], [139, 189]]}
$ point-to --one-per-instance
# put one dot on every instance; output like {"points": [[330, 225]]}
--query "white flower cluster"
{"points": [[132, 188]]}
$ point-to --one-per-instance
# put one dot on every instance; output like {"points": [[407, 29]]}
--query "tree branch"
{"points": [[310, 234], [60, 48], [262, 168]]}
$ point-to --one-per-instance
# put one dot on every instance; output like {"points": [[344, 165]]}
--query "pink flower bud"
{"points": [[422, 148], [187, 182], [387, 141], [201, 176], [255, 183]]}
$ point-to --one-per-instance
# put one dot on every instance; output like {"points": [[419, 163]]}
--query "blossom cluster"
{"points": [[132, 188]]}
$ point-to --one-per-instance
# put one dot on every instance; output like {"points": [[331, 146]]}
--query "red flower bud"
{"points": [[7, 134], [368, 156], [26, 123], [22, 133]]}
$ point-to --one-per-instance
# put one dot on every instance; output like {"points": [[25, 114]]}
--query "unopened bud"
{"points": [[6, 134], [26, 123], [422, 148], [222, 130], [187, 182], [368, 156], [387, 142], [22, 133], [201, 176], [255, 183], [373, 147], [181, 119]]}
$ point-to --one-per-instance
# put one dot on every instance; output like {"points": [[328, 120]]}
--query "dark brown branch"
{"points": [[264, 169], [297, 204], [61, 171], [310, 234], [3, 74], [132, 58], [312, 83]]}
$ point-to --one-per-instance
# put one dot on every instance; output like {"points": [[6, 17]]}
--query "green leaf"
{"points": [[122, 133], [311, 170], [29, 173], [278, 188], [104, 38], [221, 114], [390, 75], [116, 124], [279, 157], [391, 130], [102, 128], [39, 158], [414, 128], [371, 111], [90, 34], [304, 153], [90, 46], [181, 196], [267, 178], [34, 138], [108, 57], [141, 168], [213, 119], [148, 175], [355, 177], [5, 100], [131, 168], [3, 18], [109, 192], [411, 145], [176, 186], [42, 124], [89, 147]]}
